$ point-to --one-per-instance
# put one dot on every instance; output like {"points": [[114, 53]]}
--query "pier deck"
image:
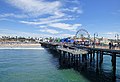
{"points": [[72, 51]]}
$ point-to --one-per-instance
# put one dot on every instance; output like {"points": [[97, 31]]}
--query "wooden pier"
{"points": [[73, 55]]}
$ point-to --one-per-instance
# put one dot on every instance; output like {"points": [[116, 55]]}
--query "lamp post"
{"points": [[95, 34]]}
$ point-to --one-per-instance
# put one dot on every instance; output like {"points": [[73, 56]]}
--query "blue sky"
{"points": [[59, 18]]}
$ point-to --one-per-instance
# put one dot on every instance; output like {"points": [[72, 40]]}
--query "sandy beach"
{"points": [[25, 45]]}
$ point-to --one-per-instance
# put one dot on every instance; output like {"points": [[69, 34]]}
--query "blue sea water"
{"points": [[34, 66], [39, 65]]}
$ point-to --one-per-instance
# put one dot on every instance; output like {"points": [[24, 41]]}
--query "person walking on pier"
{"points": [[110, 45]]}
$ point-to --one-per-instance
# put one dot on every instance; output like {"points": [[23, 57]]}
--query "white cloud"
{"points": [[53, 21], [7, 32], [65, 26], [74, 9], [111, 33], [44, 21], [6, 19], [13, 15], [37, 7], [44, 13], [48, 20], [73, 1], [52, 31], [66, 35], [41, 26]]}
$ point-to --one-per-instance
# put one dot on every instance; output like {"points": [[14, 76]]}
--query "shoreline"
{"points": [[25, 45], [13, 48]]}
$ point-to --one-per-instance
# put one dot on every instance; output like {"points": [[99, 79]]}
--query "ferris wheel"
{"points": [[83, 34]]}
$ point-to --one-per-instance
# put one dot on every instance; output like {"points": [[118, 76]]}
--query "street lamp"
{"points": [[95, 35]]}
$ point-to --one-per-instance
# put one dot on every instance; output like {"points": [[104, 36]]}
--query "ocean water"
{"points": [[40, 65]]}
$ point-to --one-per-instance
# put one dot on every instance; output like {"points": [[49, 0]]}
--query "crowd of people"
{"points": [[111, 45]]}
